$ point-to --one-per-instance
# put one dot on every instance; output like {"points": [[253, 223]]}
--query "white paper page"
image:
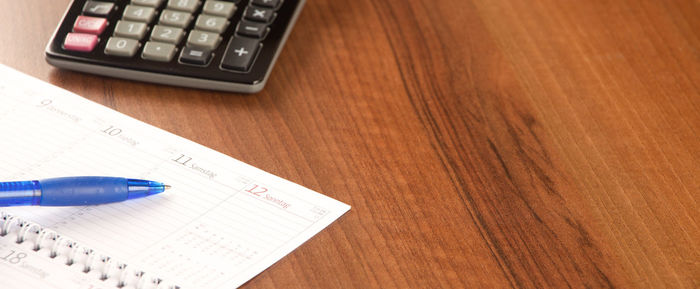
{"points": [[222, 222]]}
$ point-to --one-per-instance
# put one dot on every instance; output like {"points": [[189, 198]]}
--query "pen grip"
{"points": [[25, 193], [78, 191]]}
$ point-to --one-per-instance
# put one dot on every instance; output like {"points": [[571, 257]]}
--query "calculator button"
{"points": [[266, 3], [211, 23], [80, 42], [201, 39], [91, 25], [150, 3], [118, 46], [129, 29], [158, 51], [259, 14], [167, 34], [98, 8], [183, 5], [139, 13], [252, 29], [219, 8], [175, 18], [195, 56], [240, 53]]}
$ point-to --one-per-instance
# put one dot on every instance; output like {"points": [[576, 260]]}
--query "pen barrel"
{"points": [[25, 193], [79, 191]]}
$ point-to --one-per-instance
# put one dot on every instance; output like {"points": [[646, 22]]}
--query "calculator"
{"points": [[228, 45]]}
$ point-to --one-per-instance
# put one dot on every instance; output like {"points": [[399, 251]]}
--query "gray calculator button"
{"points": [[266, 3], [240, 53], [118, 46], [158, 51], [251, 29], [211, 23], [195, 56], [98, 8], [130, 29], [202, 39], [219, 8], [139, 13], [150, 3], [175, 18], [183, 5], [254, 13], [167, 34]]}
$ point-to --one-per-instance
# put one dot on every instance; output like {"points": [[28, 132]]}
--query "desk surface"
{"points": [[482, 144]]}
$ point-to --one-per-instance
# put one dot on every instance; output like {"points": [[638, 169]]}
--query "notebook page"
{"points": [[222, 222]]}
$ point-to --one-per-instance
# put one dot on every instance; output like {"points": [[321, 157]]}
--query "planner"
{"points": [[222, 223]]}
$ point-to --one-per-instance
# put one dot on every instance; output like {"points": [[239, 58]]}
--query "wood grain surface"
{"points": [[481, 143]]}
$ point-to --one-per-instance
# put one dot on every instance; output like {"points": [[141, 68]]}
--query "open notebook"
{"points": [[222, 223]]}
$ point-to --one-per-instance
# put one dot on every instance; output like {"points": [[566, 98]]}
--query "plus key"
{"points": [[240, 53]]}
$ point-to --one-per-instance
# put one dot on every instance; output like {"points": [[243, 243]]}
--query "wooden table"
{"points": [[481, 143]]}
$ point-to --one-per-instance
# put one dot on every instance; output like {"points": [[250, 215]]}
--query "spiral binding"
{"points": [[108, 268]]}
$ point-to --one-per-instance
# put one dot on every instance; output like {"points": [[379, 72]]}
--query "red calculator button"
{"points": [[80, 42], [91, 25]]}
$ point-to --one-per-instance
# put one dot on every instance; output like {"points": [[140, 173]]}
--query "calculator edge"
{"points": [[58, 60], [151, 77]]}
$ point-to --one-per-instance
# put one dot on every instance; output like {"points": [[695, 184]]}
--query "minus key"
{"points": [[251, 29]]}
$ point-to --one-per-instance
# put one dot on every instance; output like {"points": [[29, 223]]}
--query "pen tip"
{"points": [[165, 187]]}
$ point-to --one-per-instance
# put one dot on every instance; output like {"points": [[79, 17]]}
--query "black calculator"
{"points": [[228, 45]]}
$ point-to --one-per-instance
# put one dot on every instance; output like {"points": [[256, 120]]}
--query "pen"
{"points": [[76, 191]]}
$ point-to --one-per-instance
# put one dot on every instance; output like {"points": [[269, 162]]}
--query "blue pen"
{"points": [[76, 191]]}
